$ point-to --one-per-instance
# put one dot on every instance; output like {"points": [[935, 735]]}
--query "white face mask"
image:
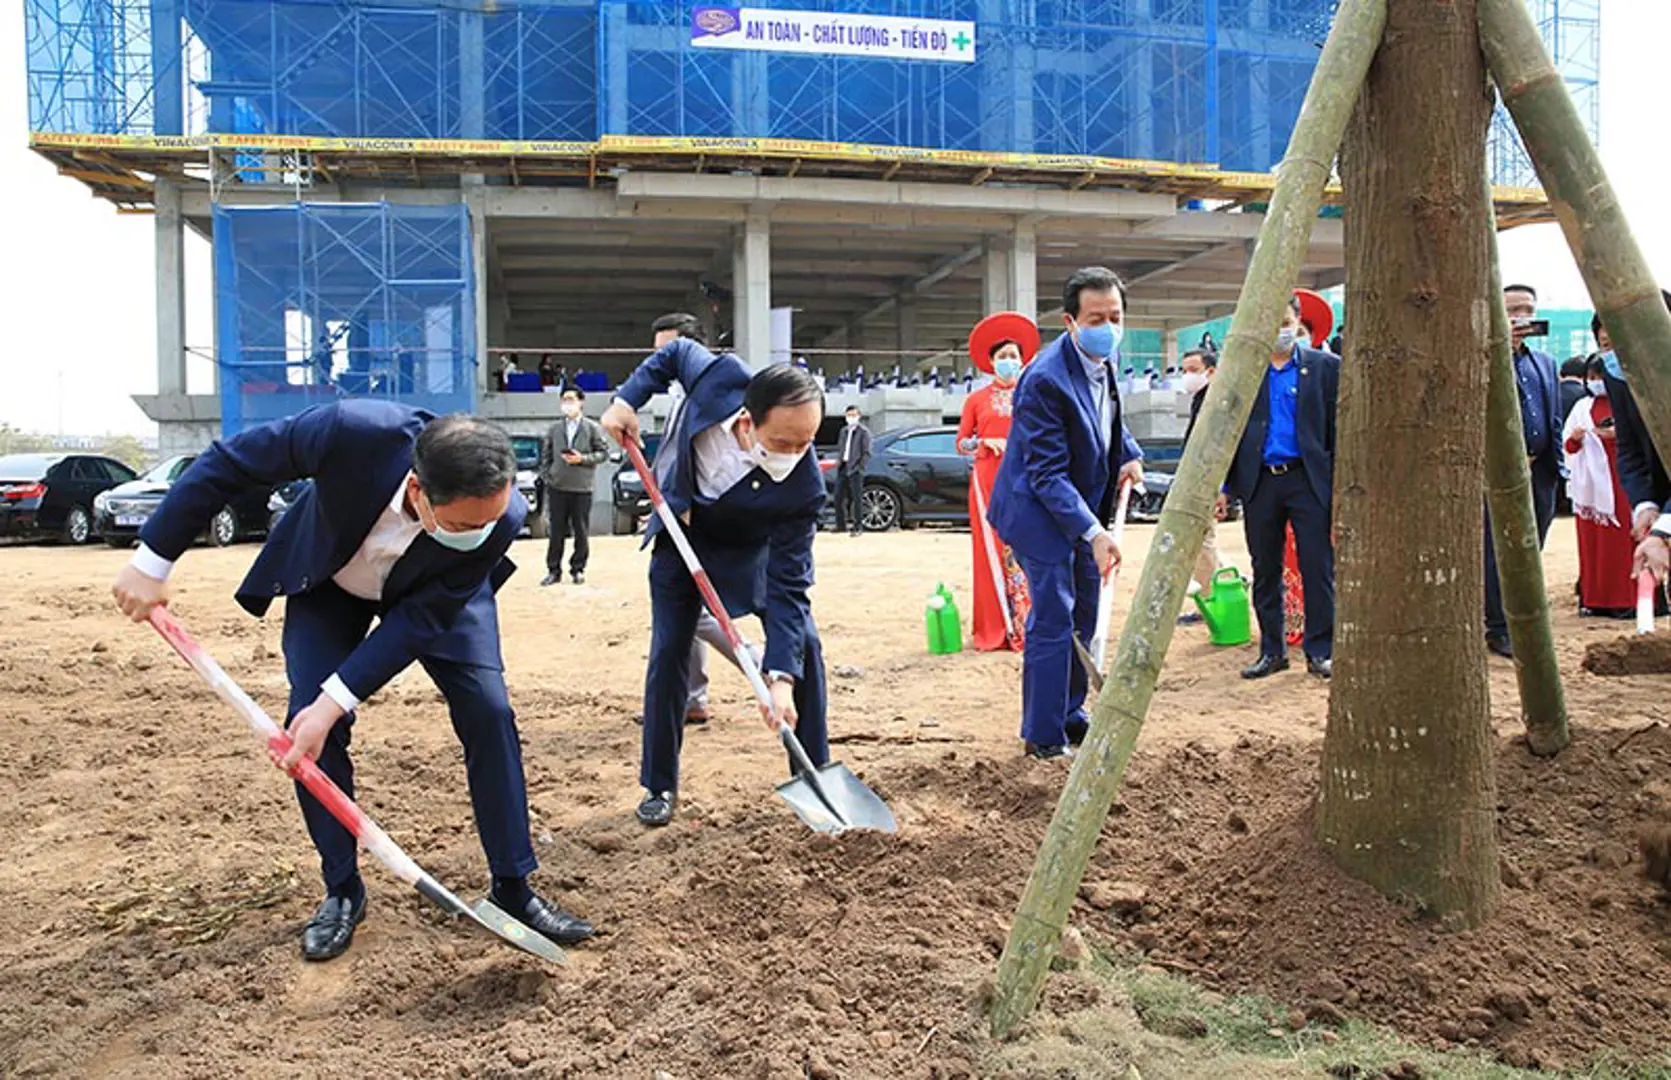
{"points": [[466, 540], [1194, 381], [1286, 337], [852, 421], [571, 409], [778, 466], [1597, 387]]}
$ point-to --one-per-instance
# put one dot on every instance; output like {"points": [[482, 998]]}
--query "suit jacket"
{"points": [[1547, 466], [1641, 471], [1571, 394], [357, 453], [589, 440], [1314, 426], [755, 541], [1057, 475], [855, 466]]}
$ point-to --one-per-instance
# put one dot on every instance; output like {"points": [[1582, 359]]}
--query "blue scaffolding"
{"points": [[316, 302], [1215, 82]]}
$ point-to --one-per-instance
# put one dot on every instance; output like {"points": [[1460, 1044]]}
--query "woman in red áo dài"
{"points": [[1000, 346]]}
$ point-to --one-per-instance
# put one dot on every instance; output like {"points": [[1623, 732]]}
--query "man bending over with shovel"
{"points": [[736, 467], [407, 522]]}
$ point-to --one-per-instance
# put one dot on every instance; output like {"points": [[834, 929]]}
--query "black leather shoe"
{"points": [[551, 579], [331, 930], [695, 716], [578, 577], [657, 808], [551, 921], [1047, 753], [1499, 644], [1077, 733], [1322, 667], [1264, 666]]}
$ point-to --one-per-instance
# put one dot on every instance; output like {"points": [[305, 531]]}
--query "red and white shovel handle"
{"points": [[1646, 586], [675, 530], [307, 772]]}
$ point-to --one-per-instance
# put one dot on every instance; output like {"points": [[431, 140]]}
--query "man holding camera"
{"points": [[1540, 420]]}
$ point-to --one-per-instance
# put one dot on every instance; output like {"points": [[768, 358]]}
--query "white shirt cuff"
{"points": [[1092, 533], [335, 689], [1641, 506], [151, 564], [775, 676], [1662, 527]]}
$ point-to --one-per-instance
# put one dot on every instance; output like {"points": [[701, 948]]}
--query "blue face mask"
{"points": [[1099, 342], [1007, 370], [1610, 361], [465, 540]]}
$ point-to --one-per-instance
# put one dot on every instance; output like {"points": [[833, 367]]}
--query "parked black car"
{"points": [[51, 495], [119, 514], [915, 475], [282, 499]]}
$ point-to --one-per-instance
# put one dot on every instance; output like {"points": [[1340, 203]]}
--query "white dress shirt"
{"points": [[720, 463]]}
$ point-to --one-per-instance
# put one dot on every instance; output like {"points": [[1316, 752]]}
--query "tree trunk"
{"points": [[1621, 286], [1101, 762], [1514, 526], [1408, 801]]}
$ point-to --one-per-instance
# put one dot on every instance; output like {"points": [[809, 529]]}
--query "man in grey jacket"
{"points": [[570, 454]]}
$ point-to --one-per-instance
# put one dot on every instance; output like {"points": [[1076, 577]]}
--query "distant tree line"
{"points": [[127, 449]]}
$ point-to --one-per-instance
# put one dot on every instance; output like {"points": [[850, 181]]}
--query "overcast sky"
{"points": [[81, 277]]}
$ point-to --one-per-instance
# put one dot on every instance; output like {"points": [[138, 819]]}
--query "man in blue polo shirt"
{"points": [[1283, 473]]}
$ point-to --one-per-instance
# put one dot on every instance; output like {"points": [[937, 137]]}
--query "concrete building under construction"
{"points": [[396, 192]]}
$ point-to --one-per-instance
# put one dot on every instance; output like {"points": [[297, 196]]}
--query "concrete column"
{"points": [[474, 193], [905, 329], [1024, 270], [995, 286], [857, 342], [171, 289], [1169, 348], [751, 284]]}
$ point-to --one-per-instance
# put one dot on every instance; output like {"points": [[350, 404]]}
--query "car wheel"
{"points": [[78, 526], [626, 523], [223, 527], [880, 508], [538, 527]]}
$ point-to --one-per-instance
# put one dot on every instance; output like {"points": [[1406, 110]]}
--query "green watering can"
{"points": [[1224, 608], [945, 626]]}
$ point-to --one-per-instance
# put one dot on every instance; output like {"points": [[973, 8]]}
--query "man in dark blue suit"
{"points": [[736, 466], [1283, 473], [1539, 386], [1068, 450], [407, 523]]}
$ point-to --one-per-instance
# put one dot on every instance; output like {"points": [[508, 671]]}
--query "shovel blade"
{"points": [[834, 800], [498, 923]]}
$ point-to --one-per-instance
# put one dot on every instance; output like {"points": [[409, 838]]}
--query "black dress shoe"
{"points": [[1320, 666], [1047, 753], [1077, 732], [551, 921], [331, 930], [551, 579], [578, 577], [1265, 665], [1499, 644], [657, 808]]}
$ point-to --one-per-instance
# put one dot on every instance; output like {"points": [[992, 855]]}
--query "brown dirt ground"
{"points": [[1630, 655], [156, 872]]}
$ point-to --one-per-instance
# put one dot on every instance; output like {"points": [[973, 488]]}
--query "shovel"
{"points": [[829, 799], [1646, 585], [490, 918], [1105, 599]]}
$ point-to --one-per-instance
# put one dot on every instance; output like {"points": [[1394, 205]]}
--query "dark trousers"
{"points": [[568, 512], [849, 500], [1543, 508], [674, 607], [1064, 596], [320, 629], [1277, 502]]}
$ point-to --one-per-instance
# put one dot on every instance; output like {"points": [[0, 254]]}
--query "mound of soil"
{"points": [[1574, 961], [1635, 654]]}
